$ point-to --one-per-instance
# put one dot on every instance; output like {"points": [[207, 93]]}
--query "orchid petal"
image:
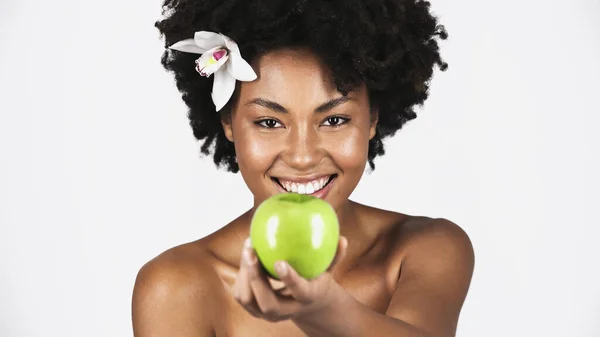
{"points": [[223, 88], [231, 45], [208, 40], [188, 46], [239, 68]]}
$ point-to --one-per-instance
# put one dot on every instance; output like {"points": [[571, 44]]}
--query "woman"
{"points": [[298, 96]]}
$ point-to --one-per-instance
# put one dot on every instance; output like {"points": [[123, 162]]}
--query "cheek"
{"points": [[351, 151], [255, 153]]}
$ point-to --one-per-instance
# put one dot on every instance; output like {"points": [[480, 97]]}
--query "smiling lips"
{"points": [[304, 186]]}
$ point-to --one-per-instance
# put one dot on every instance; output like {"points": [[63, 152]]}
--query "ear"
{"points": [[226, 123], [374, 120]]}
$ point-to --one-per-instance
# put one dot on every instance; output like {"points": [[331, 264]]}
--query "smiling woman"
{"points": [[297, 96], [294, 127]]}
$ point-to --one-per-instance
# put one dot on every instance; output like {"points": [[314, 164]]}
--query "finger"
{"points": [[298, 287], [284, 292], [242, 290], [265, 296], [274, 306], [340, 254]]}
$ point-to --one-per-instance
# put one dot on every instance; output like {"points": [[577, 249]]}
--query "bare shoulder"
{"points": [[418, 235], [416, 230], [436, 262], [172, 293], [424, 240]]}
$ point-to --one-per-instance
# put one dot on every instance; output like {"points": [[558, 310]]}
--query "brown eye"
{"points": [[268, 123], [335, 121]]}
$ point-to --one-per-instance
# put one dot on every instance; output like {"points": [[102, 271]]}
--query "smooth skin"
{"points": [[393, 275]]}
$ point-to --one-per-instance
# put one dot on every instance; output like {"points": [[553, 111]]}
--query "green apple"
{"points": [[298, 228]]}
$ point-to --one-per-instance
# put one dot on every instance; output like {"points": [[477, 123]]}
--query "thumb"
{"points": [[297, 286], [340, 254]]}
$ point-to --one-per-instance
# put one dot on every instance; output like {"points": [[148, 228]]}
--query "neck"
{"points": [[348, 218]]}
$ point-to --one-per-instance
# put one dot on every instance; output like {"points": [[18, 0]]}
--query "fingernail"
{"points": [[248, 243], [248, 256], [281, 268]]}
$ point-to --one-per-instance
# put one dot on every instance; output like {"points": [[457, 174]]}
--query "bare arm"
{"points": [[169, 299], [433, 284]]}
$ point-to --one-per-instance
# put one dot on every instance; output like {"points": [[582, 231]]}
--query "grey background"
{"points": [[99, 170]]}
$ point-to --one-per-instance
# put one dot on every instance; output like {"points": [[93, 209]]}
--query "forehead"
{"points": [[290, 75]]}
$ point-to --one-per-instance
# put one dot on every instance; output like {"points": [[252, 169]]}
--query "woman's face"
{"points": [[293, 131]]}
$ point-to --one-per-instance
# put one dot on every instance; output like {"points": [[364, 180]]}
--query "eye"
{"points": [[268, 123], [336, 121]]}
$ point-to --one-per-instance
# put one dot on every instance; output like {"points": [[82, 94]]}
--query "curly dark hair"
{"points": [[388, 45]]}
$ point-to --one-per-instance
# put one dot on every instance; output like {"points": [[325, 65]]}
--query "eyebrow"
{"points": [[279, 108]]}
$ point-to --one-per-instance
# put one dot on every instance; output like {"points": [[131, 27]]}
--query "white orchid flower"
{"points": [[220, 56]]}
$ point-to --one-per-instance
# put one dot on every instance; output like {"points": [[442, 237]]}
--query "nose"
{"points": [[303, 151]]}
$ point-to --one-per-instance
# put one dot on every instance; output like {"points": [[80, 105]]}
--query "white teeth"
{"points": [[306, 188]]}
